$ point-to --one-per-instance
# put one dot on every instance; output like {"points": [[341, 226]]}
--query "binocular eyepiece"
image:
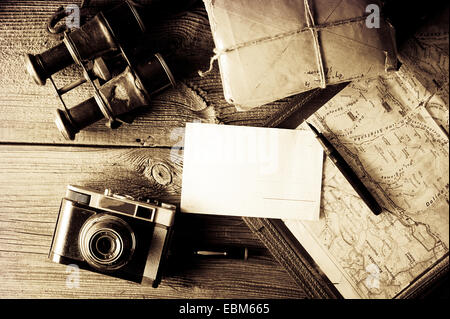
{"points": [[101, 47]]}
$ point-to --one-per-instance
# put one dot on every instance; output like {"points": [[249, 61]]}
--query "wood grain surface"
{"points": [[33, 180], [184, 40], [36, 164]]}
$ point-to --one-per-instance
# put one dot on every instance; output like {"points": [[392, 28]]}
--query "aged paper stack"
{"points": [[394, 131], [270, 49]]}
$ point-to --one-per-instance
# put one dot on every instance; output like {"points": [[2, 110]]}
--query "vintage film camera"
{"points": [[113, 234], [104, 49]]}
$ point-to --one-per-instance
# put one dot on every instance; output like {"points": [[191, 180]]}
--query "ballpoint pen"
{"points": [[347, 171], [234, 252], [218, 252]]}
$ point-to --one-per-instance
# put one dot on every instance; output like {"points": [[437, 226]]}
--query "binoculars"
{"points": [[103, 49]]}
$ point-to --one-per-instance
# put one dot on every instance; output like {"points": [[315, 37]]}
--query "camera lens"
{"points": [[106, 242], [105, 246]]}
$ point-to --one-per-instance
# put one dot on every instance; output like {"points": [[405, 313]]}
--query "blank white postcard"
{"points": [[251, 171]]}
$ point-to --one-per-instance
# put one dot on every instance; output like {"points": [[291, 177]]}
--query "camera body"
{"points": [[113, 234]]}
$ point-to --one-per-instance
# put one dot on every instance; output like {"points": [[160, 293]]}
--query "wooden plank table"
{"points": [[36, 164]]}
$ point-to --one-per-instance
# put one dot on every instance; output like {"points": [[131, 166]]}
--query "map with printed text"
{"points": [[393, 130]]}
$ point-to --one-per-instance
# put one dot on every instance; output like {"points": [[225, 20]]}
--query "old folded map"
{"points": [[393, 130]]}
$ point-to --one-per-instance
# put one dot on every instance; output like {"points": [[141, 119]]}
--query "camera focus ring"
{"points": [[106, 242], [105, 246]]}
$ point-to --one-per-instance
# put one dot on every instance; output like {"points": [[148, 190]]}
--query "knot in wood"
{"points": [[161, 173]]}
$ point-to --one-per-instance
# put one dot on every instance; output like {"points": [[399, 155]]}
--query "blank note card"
{"points": [[251, 171]]}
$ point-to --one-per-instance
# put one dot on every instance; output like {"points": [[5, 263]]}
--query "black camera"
{"points": [[113, 234]]}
